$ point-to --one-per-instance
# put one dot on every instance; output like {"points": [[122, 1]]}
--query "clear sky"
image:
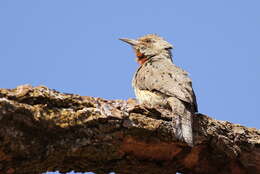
{"points": [[73, 47]]}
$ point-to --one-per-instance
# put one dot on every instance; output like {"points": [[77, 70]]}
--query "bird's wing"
{"points": [[162, 76]]}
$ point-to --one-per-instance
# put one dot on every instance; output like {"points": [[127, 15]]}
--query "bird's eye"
{"points": [[148, 40]]}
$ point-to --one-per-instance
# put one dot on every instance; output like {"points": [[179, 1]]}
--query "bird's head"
{"points": [[149, 46]]}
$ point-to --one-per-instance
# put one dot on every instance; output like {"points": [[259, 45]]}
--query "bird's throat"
{"points": [[141, 58]]}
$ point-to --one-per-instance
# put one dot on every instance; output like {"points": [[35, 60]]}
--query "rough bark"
{"points": [[44, 130]]}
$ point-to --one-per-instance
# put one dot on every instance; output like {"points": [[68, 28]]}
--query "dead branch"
{"points": [[44, 130]]}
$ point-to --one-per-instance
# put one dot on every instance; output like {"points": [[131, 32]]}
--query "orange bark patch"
{"points": [[193, 157], [154, 150], [4, 157]]}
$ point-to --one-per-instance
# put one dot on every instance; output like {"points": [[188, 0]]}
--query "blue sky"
{"points": [[73, 47]]}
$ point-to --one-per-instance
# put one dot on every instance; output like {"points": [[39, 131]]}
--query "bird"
{"points": [[159, 82]]}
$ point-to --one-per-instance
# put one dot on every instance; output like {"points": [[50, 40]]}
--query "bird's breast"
{"points": [[149, 97]]}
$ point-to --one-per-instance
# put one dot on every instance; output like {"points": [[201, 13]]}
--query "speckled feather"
{"points": [[162, 76], [158, 82]]}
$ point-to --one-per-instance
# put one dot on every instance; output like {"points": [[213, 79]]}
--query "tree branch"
{"points": [[44, 130]]}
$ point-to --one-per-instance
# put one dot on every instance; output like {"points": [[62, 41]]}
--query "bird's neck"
{"points": [[166, 54]]}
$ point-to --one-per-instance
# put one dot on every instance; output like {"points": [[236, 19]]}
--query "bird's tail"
{"points": [[182, 121]]}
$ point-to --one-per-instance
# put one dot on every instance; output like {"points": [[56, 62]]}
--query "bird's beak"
{"points": [[129, 41]]}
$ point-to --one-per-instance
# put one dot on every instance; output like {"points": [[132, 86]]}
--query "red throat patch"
{"points": [[141, 59]]}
